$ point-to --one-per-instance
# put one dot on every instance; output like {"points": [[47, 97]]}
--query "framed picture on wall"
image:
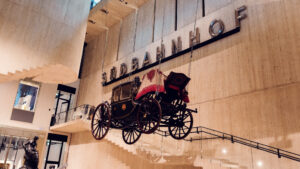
{"points": [[26, 96], [25, 102]]}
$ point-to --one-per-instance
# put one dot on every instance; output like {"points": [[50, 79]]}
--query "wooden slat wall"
{"points": [[144, 31], [112, 44], [94, 54], [187, 10], [213, 5], [165, 10], [127, 35], [247, 84]]}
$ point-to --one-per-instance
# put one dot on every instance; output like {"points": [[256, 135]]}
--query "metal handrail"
{"points": [[235, 139]]}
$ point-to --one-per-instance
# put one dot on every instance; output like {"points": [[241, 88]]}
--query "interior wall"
{"points": [[246, 85], [164, 18], [42, 115], [127, 35], [144, 29], [42, 32], [187, 10]]}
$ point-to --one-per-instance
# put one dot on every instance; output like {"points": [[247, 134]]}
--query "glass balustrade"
{"points": [[82, 112]]}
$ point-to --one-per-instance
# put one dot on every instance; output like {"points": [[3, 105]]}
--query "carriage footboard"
{"points": [[192, 111]]}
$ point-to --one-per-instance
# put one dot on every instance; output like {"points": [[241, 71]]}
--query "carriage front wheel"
{"points": [[180, 124], [149, 115], [101, 121]]}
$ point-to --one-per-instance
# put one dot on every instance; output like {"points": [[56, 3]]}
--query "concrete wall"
{"points": [[246, 85]]}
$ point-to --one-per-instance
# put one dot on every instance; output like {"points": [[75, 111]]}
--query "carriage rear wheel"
{"points": [[131, 135], [149, 115], [180, 124], [101, 121]]}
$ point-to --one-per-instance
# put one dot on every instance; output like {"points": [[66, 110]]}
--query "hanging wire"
{"points": [[193, 38], [252, 159], [161, 50], [201, 146], [161, 159], [103, 59]]}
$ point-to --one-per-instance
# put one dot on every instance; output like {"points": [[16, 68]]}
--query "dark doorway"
{"points": [[55, 148]]}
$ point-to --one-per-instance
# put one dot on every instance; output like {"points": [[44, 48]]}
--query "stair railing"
{"points": [[235, 139]]}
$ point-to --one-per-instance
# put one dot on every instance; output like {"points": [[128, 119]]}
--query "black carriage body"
{"points": [[122, 105]]}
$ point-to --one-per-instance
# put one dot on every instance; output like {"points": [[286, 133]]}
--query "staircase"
{"points": [[204, 147], [49, 73]]}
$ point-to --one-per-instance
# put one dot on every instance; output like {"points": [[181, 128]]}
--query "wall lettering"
{"points": [[135, 64], [179, 44], [104, 78], [176, 46], [160, 52], [194, 39], [146, 60], [123, 69], [215, 29], [113, 73]]}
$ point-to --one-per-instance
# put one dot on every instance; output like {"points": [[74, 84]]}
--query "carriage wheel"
{"points": [[180, 124], [101, 121], [149, 115], [131, 135]]}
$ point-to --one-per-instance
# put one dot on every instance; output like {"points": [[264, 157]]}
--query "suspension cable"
{"points": [[193, 38], [161, 50]]}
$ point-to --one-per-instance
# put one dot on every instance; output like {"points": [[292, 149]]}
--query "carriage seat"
{"points": [[175, 85], [176, 81]]}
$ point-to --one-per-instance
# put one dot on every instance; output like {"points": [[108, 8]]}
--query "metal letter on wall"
{"points": [[123, 69], [160, 52], [113, 73], [216, 28], [176, 46], [104, 78], [194, 39], [179, 44], [135, 64], [146, 60], [239, 16]]}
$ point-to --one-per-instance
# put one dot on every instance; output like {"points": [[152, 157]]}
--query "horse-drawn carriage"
{"points": [[141, 107]]}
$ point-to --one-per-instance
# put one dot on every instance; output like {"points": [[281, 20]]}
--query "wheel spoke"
{"points": [[128, 136], [176, 130], [183, 131], [131, 137], [97, 114], [99, 133], [95, 133]]}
